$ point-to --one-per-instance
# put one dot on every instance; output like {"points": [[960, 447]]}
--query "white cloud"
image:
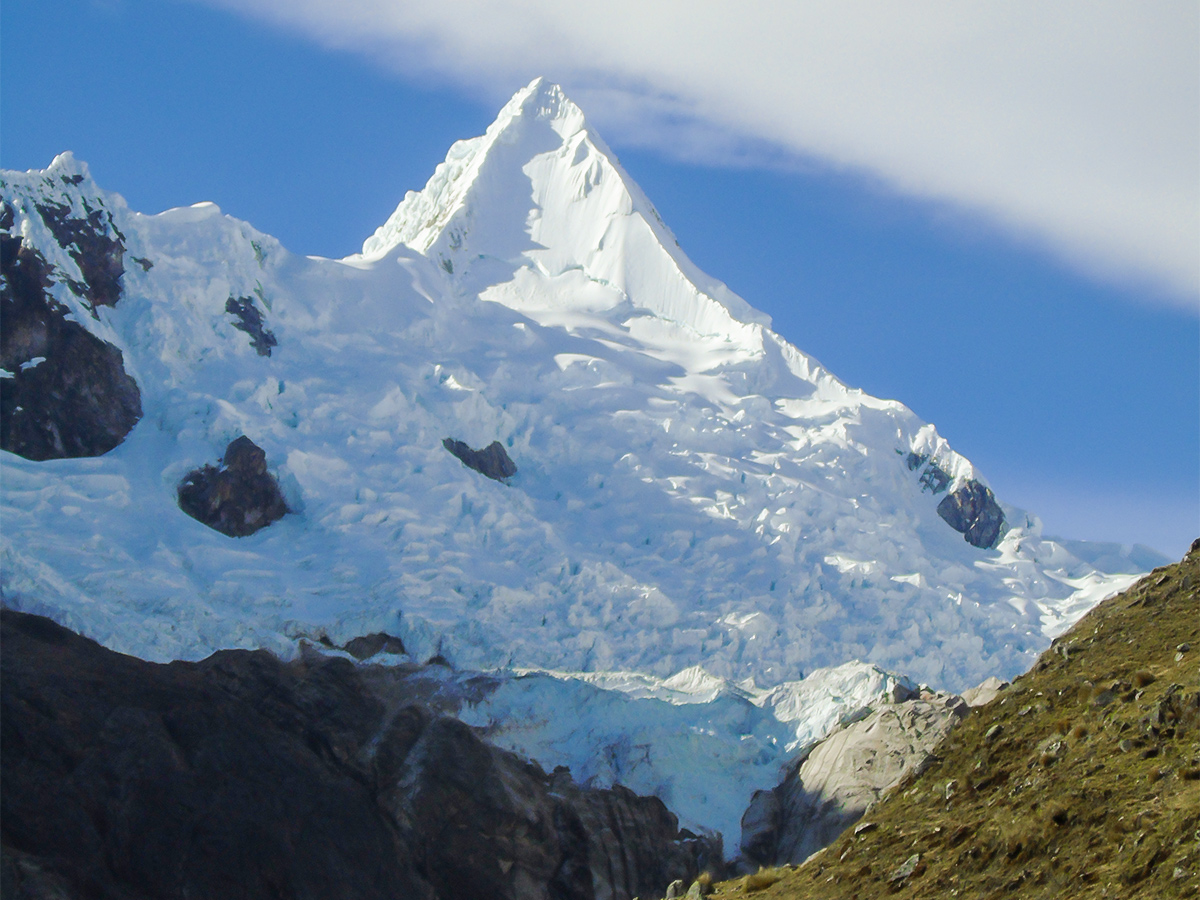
{"points": [[1076, 124]]}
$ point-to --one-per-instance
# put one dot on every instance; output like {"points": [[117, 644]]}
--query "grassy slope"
{"points": [[1090, 788]]}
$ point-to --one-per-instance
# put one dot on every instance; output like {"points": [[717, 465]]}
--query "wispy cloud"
{"points": [[1075, 124]]}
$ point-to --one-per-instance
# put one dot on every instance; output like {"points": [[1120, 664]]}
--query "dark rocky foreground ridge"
{"points": [[1080, 780], [242, 776]]}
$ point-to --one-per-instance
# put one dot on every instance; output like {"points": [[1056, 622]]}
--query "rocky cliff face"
{"points": [[242, 776], [66, 392], [830, 788], [973, 511]]}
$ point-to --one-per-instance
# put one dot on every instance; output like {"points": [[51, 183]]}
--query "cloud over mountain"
{"points": [[1073, 126]]}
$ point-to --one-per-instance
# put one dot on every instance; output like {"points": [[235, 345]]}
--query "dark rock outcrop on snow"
{"points": [[934, 478], [973, 511], [368, 645], [236, 498], [249, 318], [492, 461], [96, 245], [69, 394], [243, 776]]}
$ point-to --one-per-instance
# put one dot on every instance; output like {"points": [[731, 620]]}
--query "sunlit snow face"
{"points": [[691, 489]]}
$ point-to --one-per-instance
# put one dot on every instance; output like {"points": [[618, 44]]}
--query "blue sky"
{"points": [[1071, 380]]}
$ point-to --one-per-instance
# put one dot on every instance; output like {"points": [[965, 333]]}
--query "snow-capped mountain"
{"points": [[691, 490]]}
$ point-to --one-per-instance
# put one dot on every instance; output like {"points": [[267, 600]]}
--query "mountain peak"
{"points": [[542, 99], [534, 120], [541, 190]]}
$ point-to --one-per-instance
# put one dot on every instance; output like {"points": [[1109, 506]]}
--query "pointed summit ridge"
{"points": [[541, 191], [424, 216]]}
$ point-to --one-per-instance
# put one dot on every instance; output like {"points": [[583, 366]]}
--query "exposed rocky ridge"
{"points": [[972, 510], [68, 394], [830, 786], [492, 461], [1081, 779], [237, 498], [242, 776], [94, 242], [249, 318], [984, 692]]}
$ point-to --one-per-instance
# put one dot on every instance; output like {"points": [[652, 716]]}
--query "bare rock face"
{"points": [[367, 645], [973, 511], [69, 394], [486, 824], [236, 498], [233, 777], [249, 318], [492, 461], [984, 692], [243, 776], [830, 787], [95, 243]]}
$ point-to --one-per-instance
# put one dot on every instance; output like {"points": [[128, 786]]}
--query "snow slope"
{"points": [[692, 489]]}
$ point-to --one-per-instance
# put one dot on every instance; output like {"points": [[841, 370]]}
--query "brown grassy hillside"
{"points": [[1081, 780]]}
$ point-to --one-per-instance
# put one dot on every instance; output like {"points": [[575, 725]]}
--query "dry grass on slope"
{"points": [[1081, 780]]}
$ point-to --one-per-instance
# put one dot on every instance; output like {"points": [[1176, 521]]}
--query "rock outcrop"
{"points": [[973, 511], [368, 645], [492, 461], [66, 392], [984, 692], [245, 776], [249, 318], [236, 498], [94, 242], [829, 788]]}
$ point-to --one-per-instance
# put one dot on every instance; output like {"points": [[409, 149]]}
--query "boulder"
{"points": [[831, 786], [66, 392], [492, 461], [236, 498]]}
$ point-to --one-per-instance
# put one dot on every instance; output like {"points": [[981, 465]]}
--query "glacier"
{"points": [[694, 494]]}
